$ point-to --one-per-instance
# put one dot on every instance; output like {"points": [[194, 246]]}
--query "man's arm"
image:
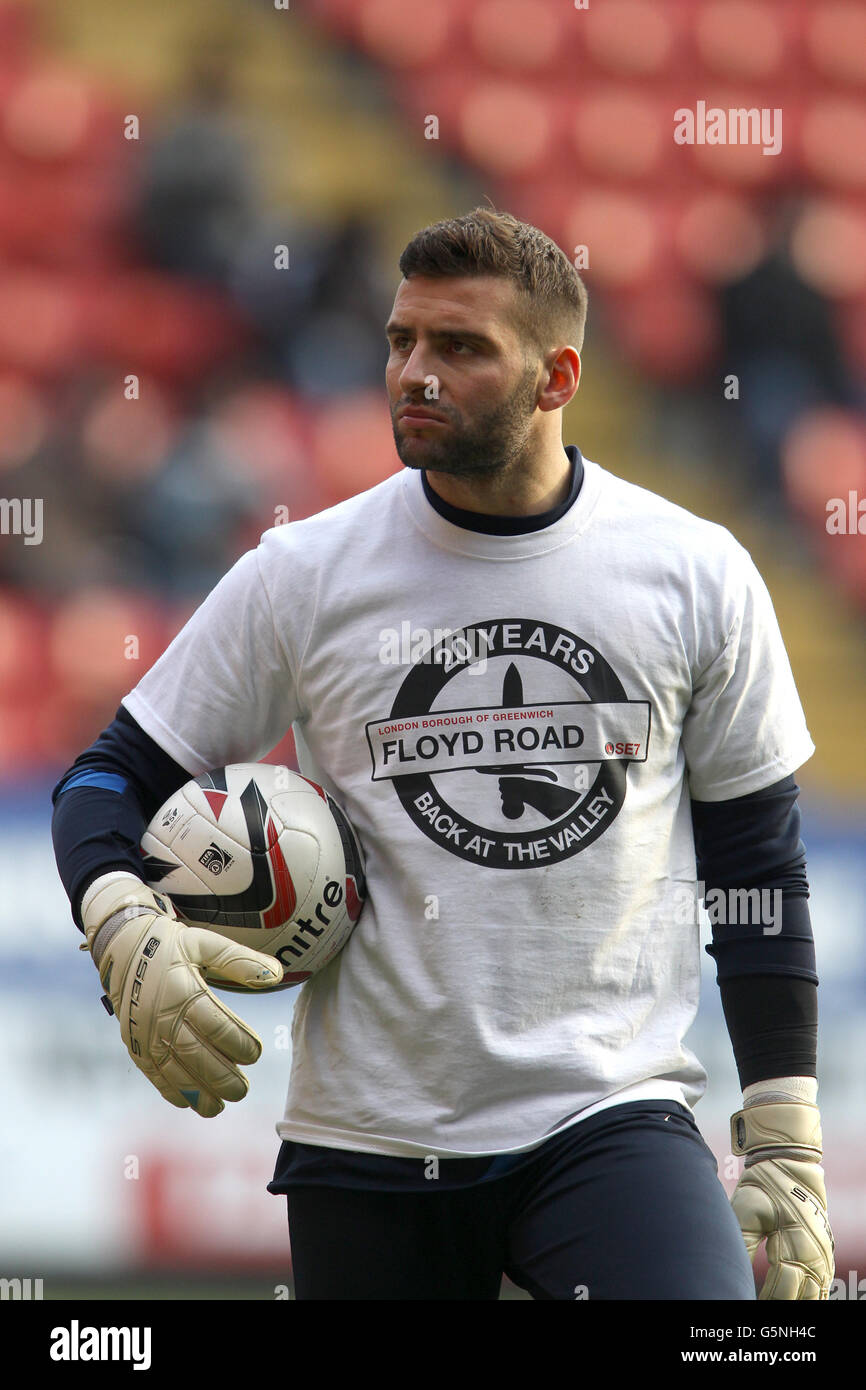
{"points": [[752, 863], [104, 803]]}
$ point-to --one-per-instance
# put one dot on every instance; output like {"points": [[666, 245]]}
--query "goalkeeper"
{"points": [[509, 1088]]}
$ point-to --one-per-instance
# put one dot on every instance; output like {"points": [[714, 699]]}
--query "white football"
{"points": [[261, 855]]}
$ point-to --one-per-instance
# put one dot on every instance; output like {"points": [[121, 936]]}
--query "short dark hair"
{"points": [[551, 298]]}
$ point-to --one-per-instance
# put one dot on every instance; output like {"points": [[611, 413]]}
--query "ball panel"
{"points": [[263, 856]]}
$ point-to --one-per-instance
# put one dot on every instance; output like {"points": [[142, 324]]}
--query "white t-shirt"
{"points": [[529, 952]]}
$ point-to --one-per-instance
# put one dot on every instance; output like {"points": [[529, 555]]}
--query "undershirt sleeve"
{"points": [[764, 951], [104, 803]]}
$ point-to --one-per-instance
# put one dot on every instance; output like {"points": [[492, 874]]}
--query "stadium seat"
{"points": [[619, 134], [718, 236], [629, 38], [50, 307], [745, 40], [742, 163], [836, 41], [352, 446], [22, 646], [147, 321], [101, 641], [621, 234], [519, 36], [834, 142], [18, 27], [823, 456], [829, 247], [506, 127], [53, 113], [269, 432], [61, 217], [668, 330], [400, 40]]}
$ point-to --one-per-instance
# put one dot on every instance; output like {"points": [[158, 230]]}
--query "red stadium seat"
{"points": [[836, 41], [823, 456], [718, 236], [621, 234], [745, 40], [41, 330], [828, 247], [22, 647], [668, 330], [521, 36], [620, 134], [269, 433], [148, 321], [53, 113], [18, 26], [629, 38], [61, 217], [102, 641], [128, 441], [24, 738], [834, 142], [737, 159], [506, 127], [400, 40], [353, 445]]}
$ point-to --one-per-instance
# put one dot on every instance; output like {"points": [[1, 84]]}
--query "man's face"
{"points": [[455, 352]]}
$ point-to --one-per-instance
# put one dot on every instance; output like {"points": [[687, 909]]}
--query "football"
{"points": [[262, 855]]}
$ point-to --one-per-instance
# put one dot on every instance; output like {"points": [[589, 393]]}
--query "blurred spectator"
{"points": [[323, 318], [781, 344], [198, 199]]}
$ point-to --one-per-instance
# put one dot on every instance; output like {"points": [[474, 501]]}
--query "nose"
{"points": [[413, 377]]}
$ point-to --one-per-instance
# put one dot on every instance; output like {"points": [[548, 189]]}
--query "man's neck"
{"points": [[518, 492]]}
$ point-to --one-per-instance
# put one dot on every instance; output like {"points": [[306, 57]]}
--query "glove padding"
{"points": [[153, 969], [781, 1197]]}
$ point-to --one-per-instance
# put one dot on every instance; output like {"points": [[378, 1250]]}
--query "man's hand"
{"points": [[153, 969], [781, 1195]]}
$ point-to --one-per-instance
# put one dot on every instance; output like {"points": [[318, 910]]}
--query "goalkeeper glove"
{"points": [[781, 1194], [153, 969]]}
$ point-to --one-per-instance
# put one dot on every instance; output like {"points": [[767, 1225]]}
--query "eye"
{"points": [[458, 342]]}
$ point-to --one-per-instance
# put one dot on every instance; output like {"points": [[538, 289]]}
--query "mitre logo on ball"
{"points": [[264, 856]]}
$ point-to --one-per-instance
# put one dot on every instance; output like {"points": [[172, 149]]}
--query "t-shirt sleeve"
{"points": [[225, 689], [745, 727]]}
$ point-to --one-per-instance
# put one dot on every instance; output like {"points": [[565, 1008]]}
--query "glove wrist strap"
{"points": [[778, 1129], [104, 935]]}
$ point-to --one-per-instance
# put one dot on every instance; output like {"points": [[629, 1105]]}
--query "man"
{"points": [[492, 1076]]}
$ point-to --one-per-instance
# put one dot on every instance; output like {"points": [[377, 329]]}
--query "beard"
{"points": [[495, 442]]}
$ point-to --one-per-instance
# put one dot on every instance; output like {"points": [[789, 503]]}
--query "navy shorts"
{"points": [[624, 1205]]}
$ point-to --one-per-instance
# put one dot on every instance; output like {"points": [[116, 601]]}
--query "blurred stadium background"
{"points": [[261, 389]]}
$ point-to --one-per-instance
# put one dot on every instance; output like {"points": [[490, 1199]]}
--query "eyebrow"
{"points": [[394, 329]]}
